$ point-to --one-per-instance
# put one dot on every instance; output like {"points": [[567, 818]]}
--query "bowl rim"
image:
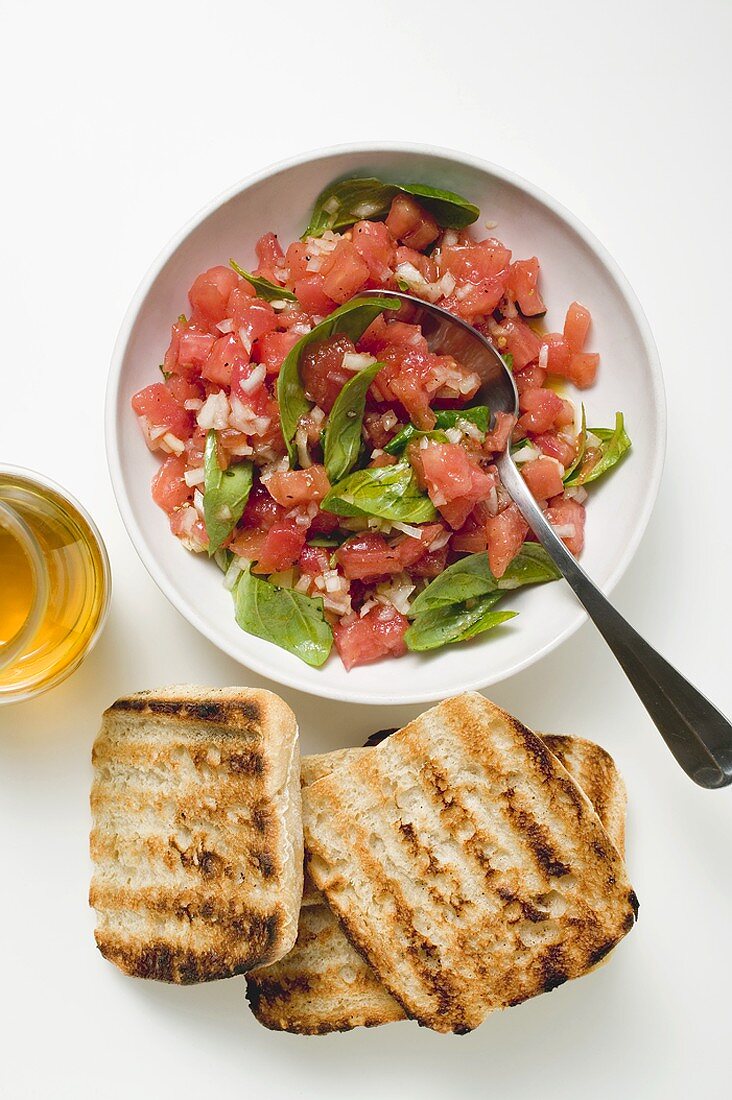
{"points": [[306, 681]]}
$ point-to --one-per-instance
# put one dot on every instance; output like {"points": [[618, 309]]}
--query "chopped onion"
{"points": [[332, 205], [467, 427], [408, 529], [198, 503], [389, 420], [301, 443], [227, 325], [214, 413], [442, 540], [356, 361], [527, 453], [576, 492], [254, 380], [454, 435], [564, 530], [193, 404], [177, 446], [544, 356], [237, 566], [449, 239], [195, 476], [246, 340]]}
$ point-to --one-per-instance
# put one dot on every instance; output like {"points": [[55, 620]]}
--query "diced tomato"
{"points": [[247, 542], [374, 431], [255, 317], [310, 291], [157, 403], [520, 341], [568, 513], [383, 460], [241, 296], [479, 301], [272, 348], [296, 261], [549, 443], [540, 409], [282, 547], [472, 263], [193, 348], [195, 447], [169, 489], [544, 477], [322, 371], [292, 487], [270, 256], [400, 334], [583, 369], [380, 633], [472, 537], [500, 434], [367, 556], [425, 265], [375, 245], [505, 534], [430, 564], [313, 560], [411, 550], [532, 377], [345, 272], [411, 224], [323, 523], [523, 286], [225, 352], [455, 483], [170, 362], [185, 389], [557, 353], [261, 509], [576, 326], [209, 295]]}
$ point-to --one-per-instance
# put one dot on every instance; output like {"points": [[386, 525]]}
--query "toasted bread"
{"points": [[197, 832], [324, 984], [466, 865]]}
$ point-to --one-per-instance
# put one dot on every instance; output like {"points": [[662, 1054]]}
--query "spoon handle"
{"points": [[698, 735]]}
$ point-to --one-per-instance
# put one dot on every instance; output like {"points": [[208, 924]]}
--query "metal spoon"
{"points": [[698, 735]]}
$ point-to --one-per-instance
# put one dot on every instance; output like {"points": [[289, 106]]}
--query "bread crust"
{"points": [[197, 832]]}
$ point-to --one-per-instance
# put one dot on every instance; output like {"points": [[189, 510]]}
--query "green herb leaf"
{"points": [[348, 201], [447, 418], [389, 492], [596, 461], [289, 619], [265, 289], [352, 320], [342, 437], [225, 493], [471, 578], [328, 541], [455, 623]]}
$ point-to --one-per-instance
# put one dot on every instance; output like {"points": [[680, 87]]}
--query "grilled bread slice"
{"points": [[197, 832], [466, 865], [324, 984]]}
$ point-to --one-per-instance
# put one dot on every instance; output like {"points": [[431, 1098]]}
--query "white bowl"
{"points": [[575, 266]]}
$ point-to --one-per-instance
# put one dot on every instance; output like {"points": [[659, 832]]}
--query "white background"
{"points": [[119, 123]]}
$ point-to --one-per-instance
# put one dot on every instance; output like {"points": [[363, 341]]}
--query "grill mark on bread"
{"points": [[217, 712]]}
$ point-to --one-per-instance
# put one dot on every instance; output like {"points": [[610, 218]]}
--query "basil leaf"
{"points": [[329, 541], [342, 437], [614, 442], [348, 201], [289, 619], [455, 623], [449, 210], [352, 320], [581, 447], [265, 289], [471, 578], [225, 493], [389, 492], [447, 418]]}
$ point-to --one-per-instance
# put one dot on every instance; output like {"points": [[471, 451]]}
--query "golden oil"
{"points": [[54, 584]]}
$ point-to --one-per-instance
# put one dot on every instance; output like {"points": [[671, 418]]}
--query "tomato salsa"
{"points": [[337, 470]]}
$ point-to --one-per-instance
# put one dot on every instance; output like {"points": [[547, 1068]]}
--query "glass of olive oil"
{"points": [[54, 584]]}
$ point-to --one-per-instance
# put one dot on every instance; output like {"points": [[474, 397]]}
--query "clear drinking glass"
{"points": [[54, 584]]}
